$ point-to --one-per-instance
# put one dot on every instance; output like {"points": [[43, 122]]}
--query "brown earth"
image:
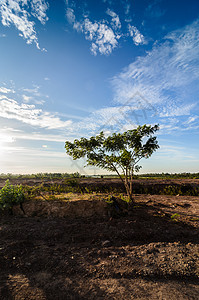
{"points": [[83, 248]]}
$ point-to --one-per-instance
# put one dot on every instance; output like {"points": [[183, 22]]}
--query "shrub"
{"points": [[174, 216], [72, 182], [11, 195]]}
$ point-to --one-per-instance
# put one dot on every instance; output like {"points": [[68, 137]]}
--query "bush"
{"points": [[11, 195]]}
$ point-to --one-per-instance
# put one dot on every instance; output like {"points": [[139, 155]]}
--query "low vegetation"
{"points": [[11, 195], [15, 194]]}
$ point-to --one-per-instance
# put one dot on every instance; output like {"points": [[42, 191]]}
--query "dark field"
{"points": [[189, 187], [76, 246]]}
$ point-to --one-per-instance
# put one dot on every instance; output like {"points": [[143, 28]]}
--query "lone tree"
{"points": [[119, 152]]}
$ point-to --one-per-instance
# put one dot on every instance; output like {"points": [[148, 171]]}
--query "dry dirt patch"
{"points": [[145, 254], [69, 205]]}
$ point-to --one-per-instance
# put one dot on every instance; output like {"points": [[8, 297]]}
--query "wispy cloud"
{"points": [[153, 10], [5, 90], [178, 153], [116, 24], [23, 153], [102, 36], [33, 95], [16, 13], [106, 33], [5, 138], [166, 76], [176, 111], [176, 125], [127, 8], [34, 90], [29, 114], [111, 119], [39, 8], [137, 37], [12, 134], [26, 98], [192, 119]]}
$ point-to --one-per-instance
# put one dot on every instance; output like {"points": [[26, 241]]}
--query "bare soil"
{"points": [[84, 248]]}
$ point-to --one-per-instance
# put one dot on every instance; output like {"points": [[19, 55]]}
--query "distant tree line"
{"points": [[170, 175], [51, 176], [47, 176]]}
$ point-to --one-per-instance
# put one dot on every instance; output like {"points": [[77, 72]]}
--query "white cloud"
{"points": [[127, 9], [191, 119], [111, 115], [23, 152], [167, 76], [34, 95], [116, 24], [29, 114], [175, 124], [111, 119], [39, 8], [42, 137], [6, 90], [34, 90], [137, 37], [26, 98], [70, 15], [105, 40], [176, 111], [4, 138], [103, 34], [16, 13], [13, 134]]}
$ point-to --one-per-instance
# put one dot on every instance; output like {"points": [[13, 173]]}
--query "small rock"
{"points": [[106, 243]]}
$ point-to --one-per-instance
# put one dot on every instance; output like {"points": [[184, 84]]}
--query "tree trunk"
{"points": [[126, 183], [128, 187]]}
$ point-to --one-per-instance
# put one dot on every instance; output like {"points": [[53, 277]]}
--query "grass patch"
{"points": [[175, 216]]}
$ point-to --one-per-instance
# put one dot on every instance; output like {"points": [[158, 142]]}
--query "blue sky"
{"points": [[73, 68]]}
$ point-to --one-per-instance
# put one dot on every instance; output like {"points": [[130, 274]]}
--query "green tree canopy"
{"points": [[119, 152]]}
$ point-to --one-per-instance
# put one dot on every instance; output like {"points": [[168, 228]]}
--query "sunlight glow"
{"points": [[4, 140]]}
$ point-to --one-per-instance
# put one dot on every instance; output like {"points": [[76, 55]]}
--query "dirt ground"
{"points": [[87, 249]]}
